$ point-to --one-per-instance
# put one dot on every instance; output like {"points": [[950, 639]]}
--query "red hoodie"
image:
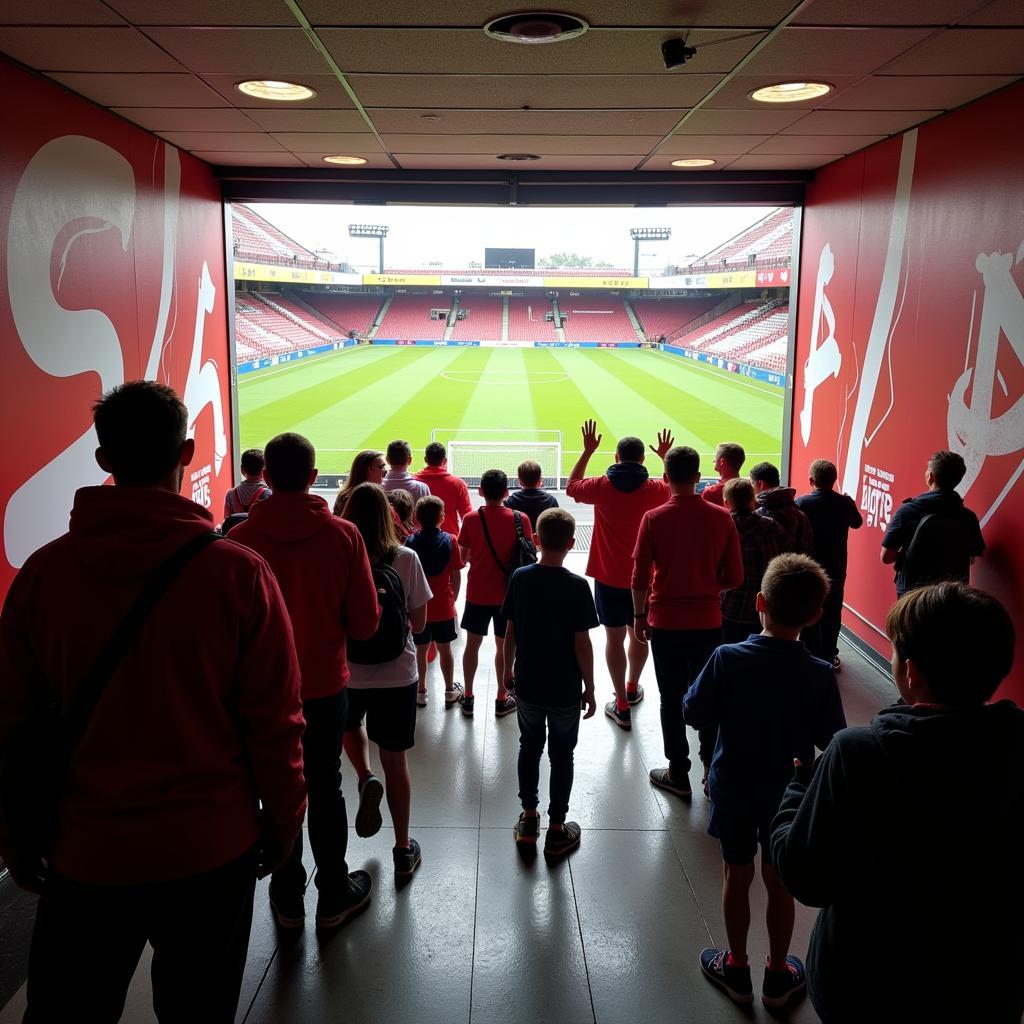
{"points": [[320, 562], [200, 723], [453, 491]]}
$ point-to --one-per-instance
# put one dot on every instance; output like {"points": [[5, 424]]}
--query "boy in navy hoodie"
{"points": [[772, 702]]}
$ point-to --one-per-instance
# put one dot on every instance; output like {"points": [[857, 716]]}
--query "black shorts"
{"points": [[740, 838], [390, 715], [477, 618], [438, 632], [614, 605]]}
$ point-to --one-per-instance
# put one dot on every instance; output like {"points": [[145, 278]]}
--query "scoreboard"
{"points": [[509, 259]]}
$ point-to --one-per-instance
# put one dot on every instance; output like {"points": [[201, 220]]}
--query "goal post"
{"points": [[472, 452]]}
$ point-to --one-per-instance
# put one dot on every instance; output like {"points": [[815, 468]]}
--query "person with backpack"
{"points": [[382, 683], [240, 499], [934, 536], [494, 541]]}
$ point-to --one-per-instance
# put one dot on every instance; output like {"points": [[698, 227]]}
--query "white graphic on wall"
{"points": [[70, 179], [823, 361], [973, 431], [883, 321]]}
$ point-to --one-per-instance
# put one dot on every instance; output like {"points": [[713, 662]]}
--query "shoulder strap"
{"points": [[519, 524], [127, 631], [490, 543], [256, 497]]}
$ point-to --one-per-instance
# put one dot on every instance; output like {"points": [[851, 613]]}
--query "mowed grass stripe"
{"points": [[501, 402], [697, 378]]}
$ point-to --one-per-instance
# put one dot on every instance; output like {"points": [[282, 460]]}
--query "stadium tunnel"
{"points": [[130, 152]]}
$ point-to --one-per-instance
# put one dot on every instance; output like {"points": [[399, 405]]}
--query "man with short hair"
{"points": [[452, 490], [687, 552], [621, 497], [729, 459], [958, 540], [240, 499], [777, 502], [161, 832], [321, 565], [531, 499], [398, 478]]}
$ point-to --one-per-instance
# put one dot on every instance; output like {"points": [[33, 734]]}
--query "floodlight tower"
{"points": [[378, 231], [646, 235]]}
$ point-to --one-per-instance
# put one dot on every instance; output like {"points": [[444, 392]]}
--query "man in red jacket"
{"points": [[321, 565], [452, 490], [692, 550], [160, 828]]}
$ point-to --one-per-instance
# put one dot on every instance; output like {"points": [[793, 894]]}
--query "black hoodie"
{"points": [[909, 837]]}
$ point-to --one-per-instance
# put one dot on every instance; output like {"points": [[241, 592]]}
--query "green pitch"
{"points": [[365, 397]]}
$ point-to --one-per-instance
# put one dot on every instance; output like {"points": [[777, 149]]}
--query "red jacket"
{"points": [[321, 565], [452, 491], [694, 550], [200, 723]]}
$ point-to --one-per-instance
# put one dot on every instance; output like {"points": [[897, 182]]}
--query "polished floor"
{"points": [[479, 935]]}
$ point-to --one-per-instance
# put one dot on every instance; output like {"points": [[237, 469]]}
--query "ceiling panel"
{"points": [[735, 94], [468, 13], [710, 145], [967, 51], [822, 53], [884, 12], [57, 12], [767, 162], [223, 142], [110, 90], [526, 122], [278, 159], [740, 122], [535, 91], [925, 92], [251, 52], [85, 49], [205, 12], [999, 12], [436, 51], [582, 144], [329, 93], [183, 119], [327, 142], [837, 145], [857, 122], [553, 162], [288, 119]]}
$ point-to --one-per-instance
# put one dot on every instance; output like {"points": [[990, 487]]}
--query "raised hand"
{"points": [[591, 438], [665, 442]]}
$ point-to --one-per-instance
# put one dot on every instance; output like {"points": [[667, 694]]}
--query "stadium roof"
{"points": [[418, 86]]}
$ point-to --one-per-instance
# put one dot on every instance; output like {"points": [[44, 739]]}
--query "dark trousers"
{"points": [[88, 940], [822, 639], [326, 816], [562, 732], [734, 632], [679, 655]]}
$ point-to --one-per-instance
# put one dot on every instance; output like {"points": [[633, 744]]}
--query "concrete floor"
{"points": [[611, 935]]}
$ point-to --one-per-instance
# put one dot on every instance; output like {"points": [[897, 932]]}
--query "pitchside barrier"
{"points": [[289, 357], [506, 344], [743, 369]]}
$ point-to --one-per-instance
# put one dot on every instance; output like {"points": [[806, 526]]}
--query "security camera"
{"points": [[675, 53]]}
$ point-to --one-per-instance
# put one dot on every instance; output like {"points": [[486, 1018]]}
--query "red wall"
{"points": [[111, 269], [910, 337]]}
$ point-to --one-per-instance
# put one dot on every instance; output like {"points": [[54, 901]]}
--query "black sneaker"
{"points": [[504, 707], [635, 696], [527, 829], [407, 859], [560, 841], [289, 911], [333, 912], [734, 981], [466, 703], [623, 719], [662, 778], [781, 986], [368, 819]]}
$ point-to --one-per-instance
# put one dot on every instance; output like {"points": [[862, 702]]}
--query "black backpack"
{"points": [[941, 549], [388, 642], [524, 553]]}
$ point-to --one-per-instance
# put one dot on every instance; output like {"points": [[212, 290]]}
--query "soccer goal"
{"points": [[472, 452]]}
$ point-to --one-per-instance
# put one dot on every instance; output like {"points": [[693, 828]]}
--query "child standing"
{"points": [[442, 562], [772, 703], [252, 489], [550, 612], [531, 499]]}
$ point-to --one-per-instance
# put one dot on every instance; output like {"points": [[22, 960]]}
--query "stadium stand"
{"points": [[596, 318], [347, 312], [256, 240], [266, 325], [408, 318], [482, 321], [300, 316], [539, 272], [666, 316], [526, 320], [769, 243]]}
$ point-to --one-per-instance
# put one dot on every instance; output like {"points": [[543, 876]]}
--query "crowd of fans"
{"points": [[194, 742]]}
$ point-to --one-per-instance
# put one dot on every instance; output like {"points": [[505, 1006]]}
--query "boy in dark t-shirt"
{"points": [[531, 499], [550, 612]]}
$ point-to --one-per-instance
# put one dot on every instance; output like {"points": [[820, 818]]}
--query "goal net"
{"points": [[472, 452]]}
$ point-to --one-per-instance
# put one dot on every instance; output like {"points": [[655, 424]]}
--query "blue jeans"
{"points": [[563, 729]]}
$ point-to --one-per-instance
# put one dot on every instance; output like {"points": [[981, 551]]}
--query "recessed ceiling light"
{"points": [[518, 156], [696, 161], [533, 28], [349, 161], [790, 92], [282, 92]]}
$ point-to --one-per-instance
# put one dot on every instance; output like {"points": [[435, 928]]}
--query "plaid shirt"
{"points": [[761, 539]]}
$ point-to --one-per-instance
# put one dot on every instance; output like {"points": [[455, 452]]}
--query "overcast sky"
{"points": [[452, 236]]}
